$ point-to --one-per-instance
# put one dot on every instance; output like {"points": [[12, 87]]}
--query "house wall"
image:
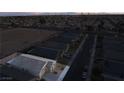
{"points": [[42, 72], [51, 66]]}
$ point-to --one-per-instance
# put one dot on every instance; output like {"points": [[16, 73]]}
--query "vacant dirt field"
{"points": [[13, 40]]}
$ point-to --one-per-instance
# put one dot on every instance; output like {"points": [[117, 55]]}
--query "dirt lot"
{"points": [[13, 40]]}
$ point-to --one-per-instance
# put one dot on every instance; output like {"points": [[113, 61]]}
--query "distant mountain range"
{"points": [[55, 13], [36, 13]]}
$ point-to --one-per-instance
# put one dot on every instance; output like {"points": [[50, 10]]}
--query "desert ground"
{"points": [[17, 39]]}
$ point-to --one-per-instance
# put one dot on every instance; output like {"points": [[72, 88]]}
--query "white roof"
{"points": [[62, 75], [30, 63]]}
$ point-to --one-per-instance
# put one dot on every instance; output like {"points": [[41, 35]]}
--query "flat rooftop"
{"points": [[30, 63], [9, 72]]}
